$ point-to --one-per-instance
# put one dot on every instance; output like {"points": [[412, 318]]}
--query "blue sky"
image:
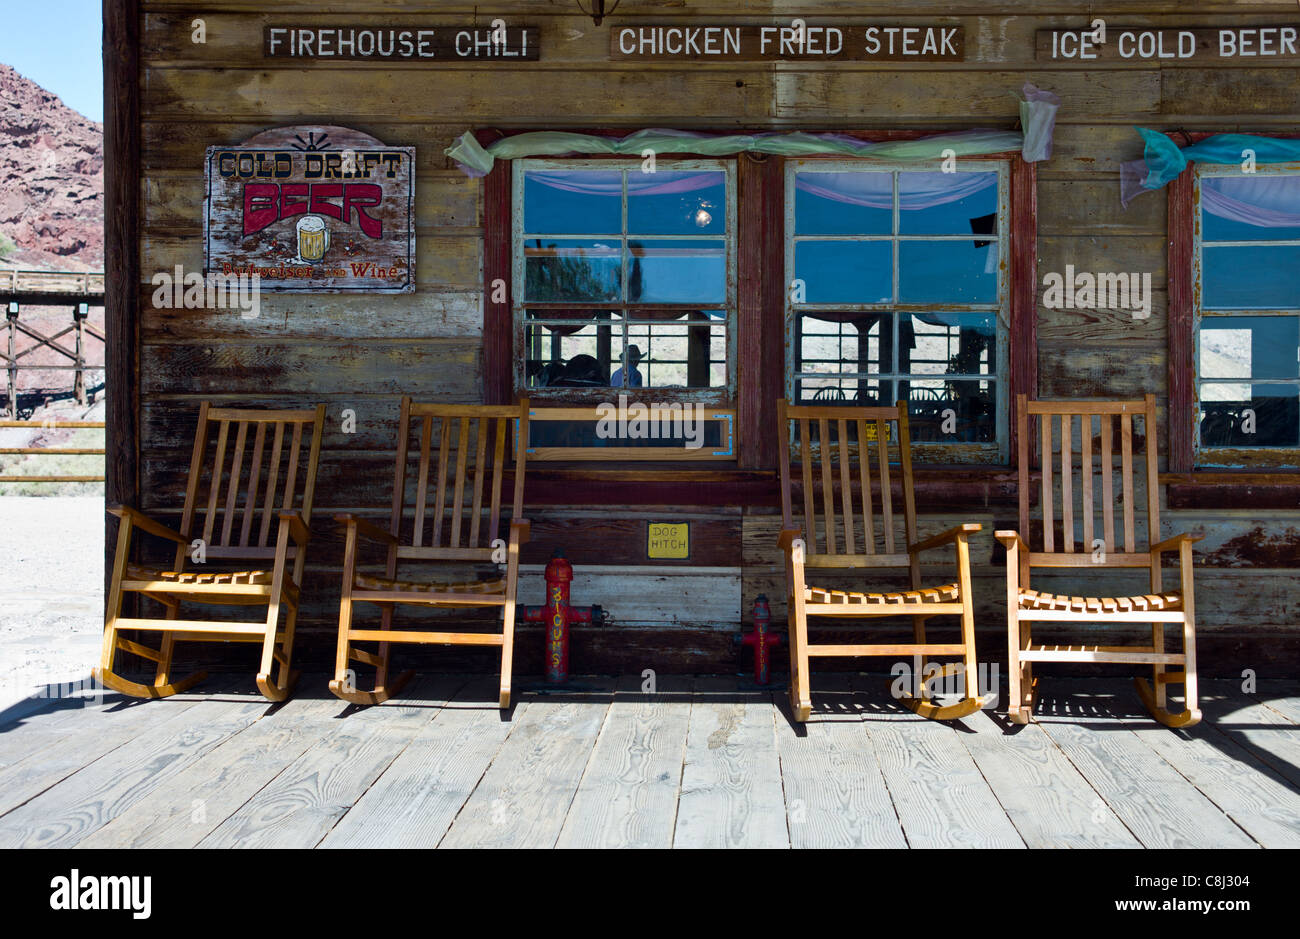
{"points": [[56, 43]]}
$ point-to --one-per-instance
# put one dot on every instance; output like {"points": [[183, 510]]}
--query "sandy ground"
{"points": [[51, 592]]}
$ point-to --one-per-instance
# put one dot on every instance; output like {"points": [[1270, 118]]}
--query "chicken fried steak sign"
{"points": [[312, 209]]}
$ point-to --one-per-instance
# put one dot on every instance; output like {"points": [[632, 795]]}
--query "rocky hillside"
{"points": [[51, 180]]}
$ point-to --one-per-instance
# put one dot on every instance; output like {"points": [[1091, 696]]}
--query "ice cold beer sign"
{"points": [[312, 209], [1267, 45]]}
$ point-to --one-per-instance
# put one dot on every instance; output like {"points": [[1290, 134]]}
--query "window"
{"points": [[624, 279], [1247, 315], [897, 292]]}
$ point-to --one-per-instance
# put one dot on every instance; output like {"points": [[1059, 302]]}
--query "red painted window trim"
{"points": [[760, 297]]}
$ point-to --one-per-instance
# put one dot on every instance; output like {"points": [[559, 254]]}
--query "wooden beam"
{"points": [[121, 259], [1181, 415], [1024, 295], [498, 318]]}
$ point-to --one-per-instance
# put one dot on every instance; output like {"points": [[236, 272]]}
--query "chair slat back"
{"points": [[1069, 485], [235, 491], [458, 479], [828, 452]]}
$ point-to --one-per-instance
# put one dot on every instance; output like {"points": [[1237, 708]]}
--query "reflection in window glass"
{"points": [[948, 203], [647, 349], [568, 203], [947, 272], [668, 203], [1248, 335], [626, 276], [664, 271], [900, 310], [844, 271], [572, 269]]}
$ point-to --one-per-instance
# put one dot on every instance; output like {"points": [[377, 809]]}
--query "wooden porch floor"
{"points": [[704, 762]]}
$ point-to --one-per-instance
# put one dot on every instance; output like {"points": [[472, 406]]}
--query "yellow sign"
{"points": [[873, 436], [669, 540]]}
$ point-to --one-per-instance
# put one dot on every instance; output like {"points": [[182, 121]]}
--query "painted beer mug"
{"points": [[313, 238]]}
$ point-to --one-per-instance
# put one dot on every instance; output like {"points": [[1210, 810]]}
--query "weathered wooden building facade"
{"points": [[183, 78]]}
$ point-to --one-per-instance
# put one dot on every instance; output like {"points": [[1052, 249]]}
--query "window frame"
{"points": [[759, 338], [956, 453], [723, 396], [1235, 456]]}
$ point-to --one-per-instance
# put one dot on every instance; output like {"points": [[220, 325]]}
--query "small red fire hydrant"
{"points": [[761, 639], [558, 616]]}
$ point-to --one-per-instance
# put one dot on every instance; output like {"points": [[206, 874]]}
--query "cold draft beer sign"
{"points": [[313, 209], [795, 40]]}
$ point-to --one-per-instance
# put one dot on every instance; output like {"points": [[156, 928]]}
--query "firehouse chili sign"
{"points": [[314, 209]]}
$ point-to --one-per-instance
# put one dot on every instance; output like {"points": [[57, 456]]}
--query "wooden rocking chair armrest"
{"points": [[943, 538], [1010, 538], [788, 537], [1175, 542], [297, 528], [143, 522], [521, 530], [363, 527]]}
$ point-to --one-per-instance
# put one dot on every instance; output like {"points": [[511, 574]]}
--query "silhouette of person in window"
{"points": [[629, 369]]}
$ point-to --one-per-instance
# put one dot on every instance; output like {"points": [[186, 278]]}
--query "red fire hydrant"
{"points": [[761, 639], [558, 615]]}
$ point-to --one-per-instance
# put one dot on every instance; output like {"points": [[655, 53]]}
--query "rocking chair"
{"points": [[832, 543], [443, 522], [1026, 606], [274, 488]]}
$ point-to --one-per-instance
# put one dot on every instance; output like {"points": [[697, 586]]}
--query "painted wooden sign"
{"points": [[1267, 45], [314, 209], [404, 43], [668, 540], [789, 41]]}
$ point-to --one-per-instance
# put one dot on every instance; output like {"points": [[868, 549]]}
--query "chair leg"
{"points": [[104, 674], [1190, 715], [971, 701], [346, 689], [507, 650], [270, 690], [1020, 674], [800, 684]]}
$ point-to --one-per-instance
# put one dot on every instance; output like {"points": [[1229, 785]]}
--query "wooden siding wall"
{"points": [[362, 352]]}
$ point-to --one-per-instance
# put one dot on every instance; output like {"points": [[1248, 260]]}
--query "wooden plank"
{"points": [[628, 794], [417, 798], [80, 804], [731, 781], [304, 802], [941, 798], [282, 96], [100, 733], [525, 795], [1152, 799], [1049, 801], [1256, 797], [835, 794], [21, 738], [1265, 733], [187, 806]]}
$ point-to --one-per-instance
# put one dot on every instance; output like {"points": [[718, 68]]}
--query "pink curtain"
{"points": [[1264, 201]]}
